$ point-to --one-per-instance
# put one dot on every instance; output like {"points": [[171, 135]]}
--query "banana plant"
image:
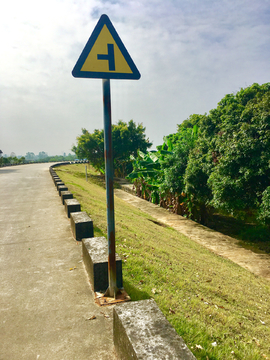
{"points": [[147, 174]]}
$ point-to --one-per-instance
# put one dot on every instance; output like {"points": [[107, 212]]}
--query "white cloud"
{"points": [[190, 54]]}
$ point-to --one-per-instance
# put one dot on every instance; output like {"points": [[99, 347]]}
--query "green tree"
{"points": [[191, 121], [127, 139], [147, 175], [91, 147], [242, 171], [196, 176], [264, 208], [229, 167], [174, 164], [159, 176], [21, 160], [42, 155], [30, 156], [174, 167]]}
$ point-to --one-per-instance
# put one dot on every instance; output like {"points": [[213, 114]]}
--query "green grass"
{"points": [[207, 298]]}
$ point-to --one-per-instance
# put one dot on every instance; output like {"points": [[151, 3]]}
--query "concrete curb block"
{"points": [[66, 195], [141, 331], [95, 258], [81, 225], [72, 205], [55, 177], [56, 182], [60, 184], [62, 188]]}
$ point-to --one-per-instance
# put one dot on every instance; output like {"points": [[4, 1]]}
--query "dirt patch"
{"points": [[220, 244]]}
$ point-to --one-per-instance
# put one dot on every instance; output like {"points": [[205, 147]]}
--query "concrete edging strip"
{"points": [[141, 331]]}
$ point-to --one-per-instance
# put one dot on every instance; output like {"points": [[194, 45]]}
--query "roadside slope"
{"points": [[220, 309], [220, 244]]}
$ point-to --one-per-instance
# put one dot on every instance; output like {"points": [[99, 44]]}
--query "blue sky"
{"points": [[189, 53]]}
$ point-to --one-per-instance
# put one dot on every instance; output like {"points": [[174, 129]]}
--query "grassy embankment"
{"points": [[220, 309]]}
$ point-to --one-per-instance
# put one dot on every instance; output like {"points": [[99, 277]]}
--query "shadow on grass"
{"points": [[253, 237], [134, 293], [98, 179], [98, 232]]}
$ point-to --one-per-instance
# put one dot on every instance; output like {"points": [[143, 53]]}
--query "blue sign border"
{"points": [[77, 72]]}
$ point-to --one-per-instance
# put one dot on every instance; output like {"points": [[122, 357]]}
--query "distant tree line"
{"points": [[31, 157]]}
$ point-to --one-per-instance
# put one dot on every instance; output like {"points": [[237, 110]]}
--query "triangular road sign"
{"points": [[105, 56]]}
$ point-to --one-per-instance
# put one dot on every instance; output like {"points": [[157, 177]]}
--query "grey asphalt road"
{"points": [[45, 306]]}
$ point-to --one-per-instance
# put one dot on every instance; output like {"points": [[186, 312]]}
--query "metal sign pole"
{"points": [[112, 289], [115, 64]]}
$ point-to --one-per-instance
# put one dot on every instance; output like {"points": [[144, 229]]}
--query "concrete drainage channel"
{"points": [[140, 330]]}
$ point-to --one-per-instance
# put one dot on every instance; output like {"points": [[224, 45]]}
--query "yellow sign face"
{"points": [[105, 56], [92, 63]]}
